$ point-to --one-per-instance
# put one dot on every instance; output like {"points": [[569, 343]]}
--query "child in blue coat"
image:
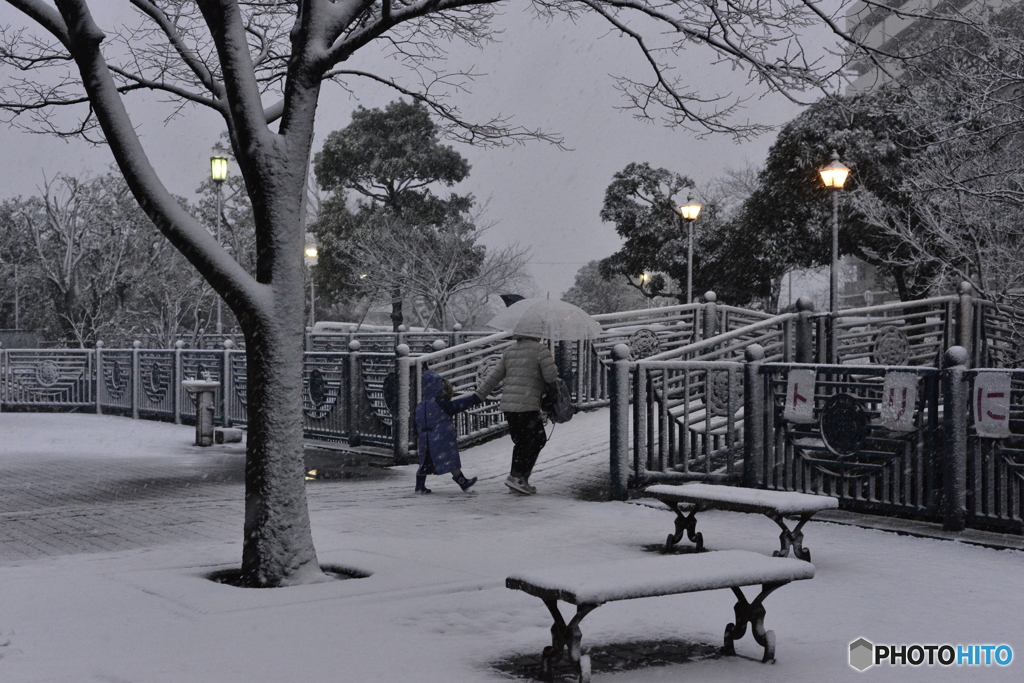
{"points": [[435, 431]]}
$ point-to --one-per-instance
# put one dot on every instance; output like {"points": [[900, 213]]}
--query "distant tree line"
{"points": [[81, 263]]}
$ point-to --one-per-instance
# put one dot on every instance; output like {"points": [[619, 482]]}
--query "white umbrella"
{"points": [[547, 319]]}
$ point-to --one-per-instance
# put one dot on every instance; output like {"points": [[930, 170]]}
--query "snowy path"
{"points": [[127, 518]]}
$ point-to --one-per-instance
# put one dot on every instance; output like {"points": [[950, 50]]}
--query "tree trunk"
{"points": [[278, 544], [396, 309]]}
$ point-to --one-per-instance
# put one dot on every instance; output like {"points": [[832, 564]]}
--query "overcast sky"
{"points": [[553, 76]]}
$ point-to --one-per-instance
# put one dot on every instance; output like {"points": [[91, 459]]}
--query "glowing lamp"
{"points": [[690, 211], [219, 169], [834, 175]]}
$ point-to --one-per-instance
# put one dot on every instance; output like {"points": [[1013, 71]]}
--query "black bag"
{"points": [[557, 402]]}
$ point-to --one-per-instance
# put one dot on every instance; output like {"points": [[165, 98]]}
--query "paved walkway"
{"points": [[63, 496], [75, 487]]}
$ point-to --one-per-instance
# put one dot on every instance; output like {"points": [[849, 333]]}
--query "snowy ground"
{"points": [[108, 528]]}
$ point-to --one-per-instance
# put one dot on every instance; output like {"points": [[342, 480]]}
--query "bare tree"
{"points": [[444, 268], [92, 267], [261, 65], [83, 246], [964, 180], [954, 236]]}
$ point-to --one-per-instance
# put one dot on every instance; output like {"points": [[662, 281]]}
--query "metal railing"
{"points": [[892, 440], [360, 389], [650, 331], [687, 420], [900, 333], [773, 334], [464, 366], [387, 342], [985, 466], [43, 379], [869, 467]]}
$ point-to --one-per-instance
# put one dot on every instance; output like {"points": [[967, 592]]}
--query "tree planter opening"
{"points": [[233, 577]]}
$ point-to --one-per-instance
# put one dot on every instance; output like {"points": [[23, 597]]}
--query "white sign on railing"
{"points": [[800, 397], [990, 403], [899, 399]]}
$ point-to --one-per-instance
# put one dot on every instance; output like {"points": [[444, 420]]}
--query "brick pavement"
{"points": [[55, 502], [60, 497]]}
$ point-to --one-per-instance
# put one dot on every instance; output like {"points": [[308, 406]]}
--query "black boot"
{"points": [[421, 484], [461, 480]]}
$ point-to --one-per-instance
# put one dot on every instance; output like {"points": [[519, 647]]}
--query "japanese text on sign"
{"points": [[800, 397], [899, 399], [990, 403]]}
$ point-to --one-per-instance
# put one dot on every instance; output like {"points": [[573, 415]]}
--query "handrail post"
{"points": [[804, 330], [753, 417], [135, 383], [99, 376], [954, 439], [821, 352], [176, 383], [403, 364], [582, 357], [641, 424], [964, 326], [618, 381], [227, 381], [355, 378], [710, 322], [709, 326], [832, 339]]}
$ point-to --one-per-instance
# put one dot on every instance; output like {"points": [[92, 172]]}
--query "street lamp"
{"points": [[219, 173], [311, 254], [834, 177], [689, 214]]}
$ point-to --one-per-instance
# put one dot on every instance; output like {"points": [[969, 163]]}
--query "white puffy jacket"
{"points": [[526, 368]]}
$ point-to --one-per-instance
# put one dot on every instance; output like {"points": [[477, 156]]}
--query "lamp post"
{"points": [[219, 173], [689, 214], [311, 254], [17, 312], [834, 177]]}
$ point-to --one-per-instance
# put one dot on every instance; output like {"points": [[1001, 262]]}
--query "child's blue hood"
{"points": [[432, 383]]}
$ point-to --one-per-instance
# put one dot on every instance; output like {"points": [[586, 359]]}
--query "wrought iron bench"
{"points": [[776, 505], [590, 585]]}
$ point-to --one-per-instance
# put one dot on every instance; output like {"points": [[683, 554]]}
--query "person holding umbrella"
{"points": [[527, 368]]}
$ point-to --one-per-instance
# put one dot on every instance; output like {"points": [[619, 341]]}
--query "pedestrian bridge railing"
{"points": [[899, 333], [943, 445], [360, 388]]}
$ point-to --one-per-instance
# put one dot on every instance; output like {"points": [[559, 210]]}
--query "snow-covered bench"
{"points": [[595, 583], [777, 505]]}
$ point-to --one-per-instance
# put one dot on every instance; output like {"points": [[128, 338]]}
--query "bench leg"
{"points": [[794, 538], [684, 524], [566, 636], [751, 613]]}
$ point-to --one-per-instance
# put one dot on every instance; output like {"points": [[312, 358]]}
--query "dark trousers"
{"points": [[527, 431]]}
